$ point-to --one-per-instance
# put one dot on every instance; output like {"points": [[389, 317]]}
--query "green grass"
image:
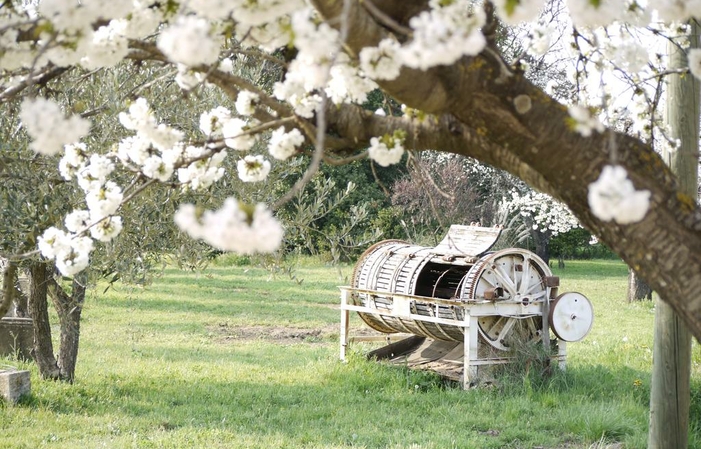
{"points": [[231, 358]]}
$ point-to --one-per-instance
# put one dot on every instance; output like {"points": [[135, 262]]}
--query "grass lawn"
{"points": [[234, 358]]}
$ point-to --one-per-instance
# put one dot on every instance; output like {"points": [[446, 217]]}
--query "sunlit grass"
{"points": [[172, 366]]}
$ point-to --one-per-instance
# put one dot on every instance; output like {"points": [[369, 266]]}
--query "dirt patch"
{"points": [[226, 333]]}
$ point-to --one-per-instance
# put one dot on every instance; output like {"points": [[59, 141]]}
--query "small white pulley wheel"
{"points": [[571, 316]]}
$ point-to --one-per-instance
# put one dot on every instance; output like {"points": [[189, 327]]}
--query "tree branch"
{"points": [[478, 118]]}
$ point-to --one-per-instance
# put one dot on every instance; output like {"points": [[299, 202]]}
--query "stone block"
{"points": [[16, 338], [14, 384]]}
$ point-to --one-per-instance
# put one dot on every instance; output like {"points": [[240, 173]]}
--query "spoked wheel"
{"points": [[513, 275]]}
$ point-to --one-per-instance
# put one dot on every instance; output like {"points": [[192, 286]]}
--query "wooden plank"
{"points": [[467, 241]]}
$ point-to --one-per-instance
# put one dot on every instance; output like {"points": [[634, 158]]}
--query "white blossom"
{"points": [[268, 36], [584, 122], [253, 168], [163, 137], [142, 22], [77, 221], [212, 9], [587, 13], [94, 174], [75, 259], [542, 211], [53, 241], [233, 131], [316, 40], [211, 122], [676, 10], [46, 125], [155, 167], [282, 145], [244, 230], [104, 201], [383, 154], [443, 35], [347, 84], [540, 39], [613, 197], [205, 171], [187, 79], [133, 150], [631, 56], [264, 11], [226, 65], [138, 116], [107, 47], [188, 41], [73, 160], [246, 102], [514, 12], [67, 17], [382, 62], [106, 228]]}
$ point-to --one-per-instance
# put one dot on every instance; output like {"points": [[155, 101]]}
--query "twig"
{"points": [[384, 19]]}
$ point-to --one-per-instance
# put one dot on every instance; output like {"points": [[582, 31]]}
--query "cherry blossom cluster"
{"points": [[387, 150], [441, 36], [614, 197], [235, 227], [192, 35], [584, 122], [545, 213], [71, 250], [49, 129]]}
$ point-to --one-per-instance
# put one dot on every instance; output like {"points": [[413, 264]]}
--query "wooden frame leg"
{"points": [[562, 354], [345, 318], [469, 371]]}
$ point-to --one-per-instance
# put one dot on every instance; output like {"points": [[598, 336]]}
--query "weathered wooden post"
{"points": [[669, 395]]}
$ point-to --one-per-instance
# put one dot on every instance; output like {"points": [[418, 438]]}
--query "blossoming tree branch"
{"points": [[440, 59]]}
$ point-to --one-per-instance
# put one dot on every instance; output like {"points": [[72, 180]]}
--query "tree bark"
{"points": [[21, 303], [638, 290], [671, 366], [9, 275], [541, 243], [69, 309], [472, 103], [43, 351]]}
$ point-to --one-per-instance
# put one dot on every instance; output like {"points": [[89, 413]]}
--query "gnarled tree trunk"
{"points": [[43, 351], [9, 274], [68, 308]]}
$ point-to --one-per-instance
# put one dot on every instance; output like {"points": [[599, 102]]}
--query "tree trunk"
{"points": [[541, 243], [43, 351], [21, 303], [9, 275], [638, 290], [69, 309], [671, 364]]}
